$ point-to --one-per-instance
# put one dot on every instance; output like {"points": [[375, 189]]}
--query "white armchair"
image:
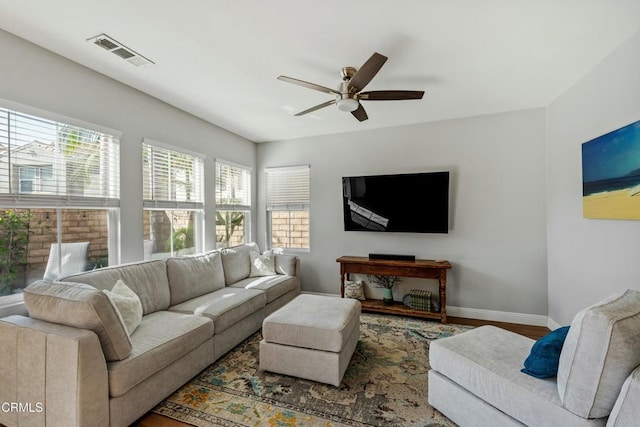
{"points": [[66, 259]]}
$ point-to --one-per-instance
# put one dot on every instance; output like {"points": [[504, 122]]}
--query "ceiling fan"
{"points": [[348, 95]]}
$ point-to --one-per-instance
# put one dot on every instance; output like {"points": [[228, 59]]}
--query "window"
{"points": [[173, 201], [233, 204], [59, 183], [36, 179], [288, 201]]}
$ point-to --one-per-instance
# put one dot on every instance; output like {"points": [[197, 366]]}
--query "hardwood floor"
{"points": [[533, 332]]}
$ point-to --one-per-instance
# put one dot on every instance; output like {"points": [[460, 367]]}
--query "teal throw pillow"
{"points": [[545, 354]]}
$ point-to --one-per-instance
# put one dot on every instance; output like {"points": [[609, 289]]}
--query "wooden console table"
{"points": [[420, 268]]}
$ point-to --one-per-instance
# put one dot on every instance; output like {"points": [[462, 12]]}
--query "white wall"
{"points": [[589, 259], [37, 78], [496, 243]]}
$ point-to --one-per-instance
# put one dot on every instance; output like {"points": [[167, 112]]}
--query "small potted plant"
{"points": [[386, 282]]}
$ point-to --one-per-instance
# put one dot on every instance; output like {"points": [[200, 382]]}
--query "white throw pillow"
{"points": [[127, 304], [354, 289], [262, 265]]}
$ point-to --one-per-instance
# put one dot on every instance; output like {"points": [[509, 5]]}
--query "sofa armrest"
{"points": [[625, 410], [287, 264], [51, 373]]}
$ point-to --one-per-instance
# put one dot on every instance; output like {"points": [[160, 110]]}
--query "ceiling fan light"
{"points": [[347, 104]]}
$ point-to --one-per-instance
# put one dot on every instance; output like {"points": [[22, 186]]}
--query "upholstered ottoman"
{"points": [[312, 337]]}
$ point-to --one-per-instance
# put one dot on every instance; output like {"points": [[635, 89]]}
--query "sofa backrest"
{"points": [[192, 276], [148, 279], [80, 306], [237, 262], [601, 349]]}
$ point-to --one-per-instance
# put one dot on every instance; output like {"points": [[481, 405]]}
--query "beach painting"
{"points": [[611, 175]]}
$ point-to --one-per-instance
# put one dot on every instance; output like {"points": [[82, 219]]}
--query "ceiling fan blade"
{"points": [[317, 107], [308, 85], [367, 72], [360, 114], [391, 95]]}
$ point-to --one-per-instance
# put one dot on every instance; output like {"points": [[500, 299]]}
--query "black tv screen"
{"points": [[402, 203]]}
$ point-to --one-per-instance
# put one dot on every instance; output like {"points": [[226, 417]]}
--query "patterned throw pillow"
{"points": [[354, 289], [262, 265]]}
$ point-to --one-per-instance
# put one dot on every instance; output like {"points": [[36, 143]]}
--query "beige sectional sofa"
{"points": [[72, 362]]}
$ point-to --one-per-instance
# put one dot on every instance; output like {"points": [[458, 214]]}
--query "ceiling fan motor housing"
{"points": [[346, 101]]}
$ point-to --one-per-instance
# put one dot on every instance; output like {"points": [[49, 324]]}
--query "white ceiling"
{"points": [[219, 60]]}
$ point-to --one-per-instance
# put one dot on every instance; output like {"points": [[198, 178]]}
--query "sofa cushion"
{"points": [[543, 360], [601, 350], [262, 264], [486, 361], [625, 411], [237, 262], [273, 286], [190, 277], [81, 306], [127, 304], [225, 307], [148, 279], [286, 264], [162, 338]]}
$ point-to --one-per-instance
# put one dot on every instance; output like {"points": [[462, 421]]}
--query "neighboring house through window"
{"points": [[233, 204], [287, 203], [173, 200]]}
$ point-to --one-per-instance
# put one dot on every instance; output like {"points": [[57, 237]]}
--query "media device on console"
{"points": [[394, 257]]}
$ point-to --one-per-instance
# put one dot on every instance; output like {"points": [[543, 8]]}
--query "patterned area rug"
{"points": [[385, 384]]}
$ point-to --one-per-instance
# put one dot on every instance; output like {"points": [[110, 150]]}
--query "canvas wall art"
{"points": [[611, 174]]}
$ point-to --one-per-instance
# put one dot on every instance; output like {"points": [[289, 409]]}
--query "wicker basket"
{"points": [[420, 300]]}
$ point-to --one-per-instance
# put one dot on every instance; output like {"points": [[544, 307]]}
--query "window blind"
{"points": [[171, 179], [45, 162], [288, 188], [233, 187]]}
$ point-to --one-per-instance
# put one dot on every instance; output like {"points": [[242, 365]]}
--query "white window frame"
{"points": [[244, 203], [14, 199], [288, 189], [171, 203]]}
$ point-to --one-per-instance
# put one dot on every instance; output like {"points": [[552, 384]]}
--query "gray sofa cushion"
{"points": [[237, 262], [286, 264], [148, 279], [601, 350], [190, 277], [162, 338], [625, 411], [273, 286], [225, 307], [81, 306], [486, 361]]}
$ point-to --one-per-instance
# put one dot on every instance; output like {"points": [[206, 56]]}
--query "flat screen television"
{"points": [[401, 203]]}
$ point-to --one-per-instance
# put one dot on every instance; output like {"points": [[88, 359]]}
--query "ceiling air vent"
{"points": [[117, 48]]}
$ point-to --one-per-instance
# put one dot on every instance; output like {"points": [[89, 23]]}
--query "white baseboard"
{"points": [[552, 324], [492, 315], [498, 316]]}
